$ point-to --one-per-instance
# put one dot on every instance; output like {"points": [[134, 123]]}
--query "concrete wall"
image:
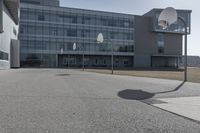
{"points": [[173, 44], [6, 36], [146, 42]]}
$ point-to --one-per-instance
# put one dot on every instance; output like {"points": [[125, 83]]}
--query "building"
{"points": [[42, 2], [48, 34], [9, 44], [192, 61]]}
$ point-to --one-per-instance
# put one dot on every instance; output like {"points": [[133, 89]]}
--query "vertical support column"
{"points": [[112, 60], [83, 62], [177, 62], [57, 60], [185, 79], [68, 61], [83, 59], [1, 16], [185, 58], [15, 53]]}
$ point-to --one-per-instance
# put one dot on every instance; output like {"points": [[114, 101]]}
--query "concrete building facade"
{"points": [[48, 34], [42, 2], [9, 44]]}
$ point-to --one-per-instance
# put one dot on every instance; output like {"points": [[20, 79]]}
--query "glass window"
{"points": [[21, 30], [38, 30], [103, 22], [3, 55], [127, 36], [24, 14], [131, 24], [31, 29], [126, 24], [53, 17], [112, 35], [73, 19], [60, 32], [46, 15], [85, 33], [126, 62], [112, 22], [31, 2], [85, 20], [14, 31], [65, 32], [39, 45], [68, 18], [160, 43], [71, 32], [96, 61], [46, 30], [104, 61], [31, 14], [121, 23], [41, 18], [54, 31]]}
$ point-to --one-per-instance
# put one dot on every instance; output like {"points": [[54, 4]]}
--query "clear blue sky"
{"points": [[139, 7]]}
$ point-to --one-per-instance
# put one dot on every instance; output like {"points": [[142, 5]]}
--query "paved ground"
{"points": [[184, 106], [70, 101]]}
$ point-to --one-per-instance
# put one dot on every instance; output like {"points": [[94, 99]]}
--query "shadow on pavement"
{"points": [[143, 95], [63, 74], [135, 94]]}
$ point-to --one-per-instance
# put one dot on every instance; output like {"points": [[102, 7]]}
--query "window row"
{"points": [[41, 45], [67, 17], [50, 60], [71, 32]]}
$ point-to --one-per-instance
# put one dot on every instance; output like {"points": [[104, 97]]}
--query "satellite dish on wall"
{"points": [[100, 38], [167, 17]]}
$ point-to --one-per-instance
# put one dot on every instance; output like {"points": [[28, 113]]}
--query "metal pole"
{"points": [[83, 63], [185, 74], [185, 58], [112, 58], [57, 60], [68, 61]]}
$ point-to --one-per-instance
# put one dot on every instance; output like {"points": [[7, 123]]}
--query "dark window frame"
{"points": [[3, 56]]}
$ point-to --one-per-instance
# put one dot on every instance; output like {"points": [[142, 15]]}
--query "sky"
{"points": [[139, 7]]}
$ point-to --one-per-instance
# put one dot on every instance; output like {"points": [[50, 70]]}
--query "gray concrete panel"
{"points": [[173, 44], [15, 54]]}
